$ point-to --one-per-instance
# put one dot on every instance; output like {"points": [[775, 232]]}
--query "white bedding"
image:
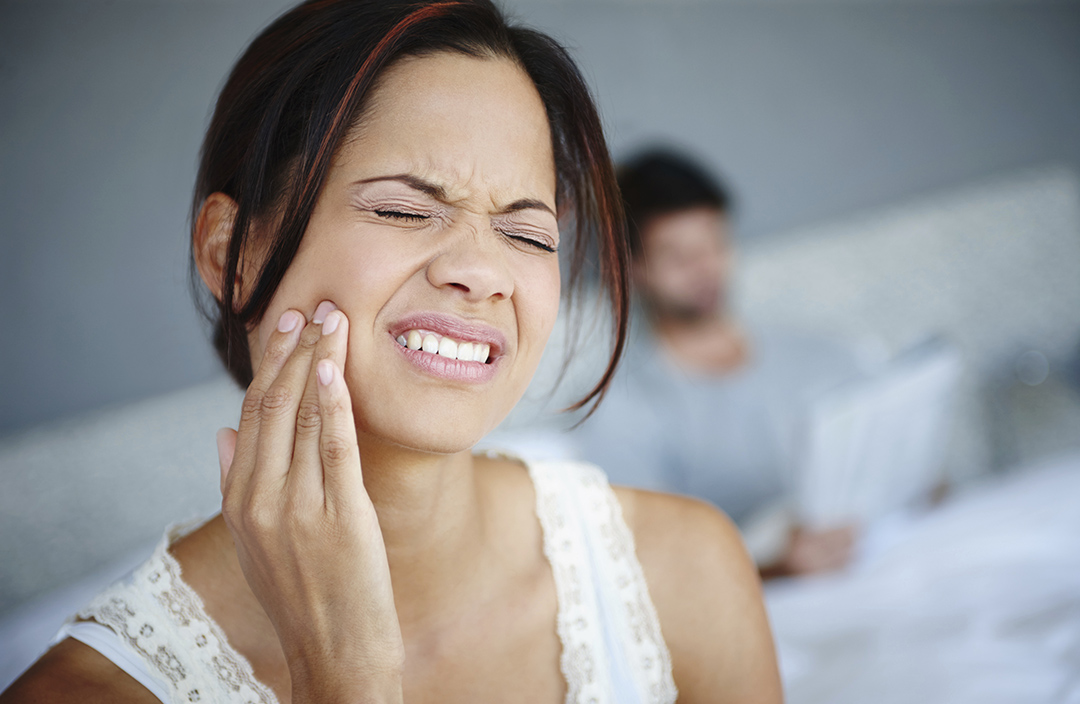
{"points": [[977, 601]]}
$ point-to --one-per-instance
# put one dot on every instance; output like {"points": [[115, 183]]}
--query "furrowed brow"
{"points": [[439, 193], [414, 182]]}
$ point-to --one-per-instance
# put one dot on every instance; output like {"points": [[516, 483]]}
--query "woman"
{"points": [[377, 220]]}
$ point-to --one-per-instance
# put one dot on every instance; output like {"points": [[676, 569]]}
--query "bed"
{"points": [[977, 600]]}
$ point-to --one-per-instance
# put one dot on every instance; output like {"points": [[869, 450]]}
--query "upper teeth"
{"points": [[444, 346]]}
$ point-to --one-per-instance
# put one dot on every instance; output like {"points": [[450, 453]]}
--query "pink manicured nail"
{"points": [[320, 313], [288, 321], [325, 372], [332, 320]]}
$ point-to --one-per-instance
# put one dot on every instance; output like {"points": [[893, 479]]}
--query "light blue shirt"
{"points": [[723, 438]]}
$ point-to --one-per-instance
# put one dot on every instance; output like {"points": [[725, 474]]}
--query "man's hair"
{"points": [[658, 182]]}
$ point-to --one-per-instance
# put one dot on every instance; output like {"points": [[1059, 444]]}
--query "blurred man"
{"points": [[705, 404]]}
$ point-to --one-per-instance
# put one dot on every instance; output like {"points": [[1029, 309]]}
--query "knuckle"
{"points": [[311, 335], [334, 406], [252, 406], [276, 399], [276, 353], [335, 449], [309, 416], [258, 518]]}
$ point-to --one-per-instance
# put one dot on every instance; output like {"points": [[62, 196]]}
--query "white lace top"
{"points": [[155, 628]]}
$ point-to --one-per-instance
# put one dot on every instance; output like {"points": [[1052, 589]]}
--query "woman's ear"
{"points": [[210, 240]]}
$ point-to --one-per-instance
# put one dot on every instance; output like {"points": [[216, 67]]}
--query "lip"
{"points": [[464, 331]]}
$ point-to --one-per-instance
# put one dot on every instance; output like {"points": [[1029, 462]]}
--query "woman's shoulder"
{"points": [[74, 672], [707, 594], [182, 617], [688, 549]]}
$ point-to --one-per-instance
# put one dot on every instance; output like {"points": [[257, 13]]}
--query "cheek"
{"points": [[542, 306], [665, 275], [353, 278], [291, 294], [356, 275], [726, 264]]}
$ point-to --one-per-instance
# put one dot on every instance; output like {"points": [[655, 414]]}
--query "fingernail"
{"points": [[288, 321], [321, 312], [325, 372], [332, 320]]}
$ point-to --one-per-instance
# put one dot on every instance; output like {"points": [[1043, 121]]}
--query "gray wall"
{"points": [[813, 110], [817, 109]]}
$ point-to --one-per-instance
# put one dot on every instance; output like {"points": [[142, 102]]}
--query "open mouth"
{"points": [[445, 346]]}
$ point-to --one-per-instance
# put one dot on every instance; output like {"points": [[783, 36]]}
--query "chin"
{"points": [[442, 431]]}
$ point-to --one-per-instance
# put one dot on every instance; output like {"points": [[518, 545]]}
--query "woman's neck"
{"points": [[432, 523]]}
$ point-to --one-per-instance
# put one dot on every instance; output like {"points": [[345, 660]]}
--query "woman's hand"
{"points": [[817, 551], [305, 529]]}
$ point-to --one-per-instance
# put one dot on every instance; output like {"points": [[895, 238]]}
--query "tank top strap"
{"points": [[613, 650], [163, 624]]}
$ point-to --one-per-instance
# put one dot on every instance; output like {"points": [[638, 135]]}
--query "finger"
{"points": [[342, 480], [277, 418], [838, 541], [279, 347], [833, 552], [306, 472], [226, 447]]}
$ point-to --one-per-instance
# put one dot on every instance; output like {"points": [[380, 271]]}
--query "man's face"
{"points": [[683, 267]]}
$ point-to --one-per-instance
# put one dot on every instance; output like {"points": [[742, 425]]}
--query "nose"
{"points": [[473, 262]]}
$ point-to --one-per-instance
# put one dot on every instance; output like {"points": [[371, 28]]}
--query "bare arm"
{"points": [[708, 597], [75, 672]]}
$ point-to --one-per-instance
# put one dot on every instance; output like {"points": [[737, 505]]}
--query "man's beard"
{"points": [[685, 312]]}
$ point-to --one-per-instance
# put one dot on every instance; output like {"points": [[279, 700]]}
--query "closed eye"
{"points": [[398, 215], [533, 241]]}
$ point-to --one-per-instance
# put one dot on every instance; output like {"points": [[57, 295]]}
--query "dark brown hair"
{"points": [[302, 84], [660, 181]]}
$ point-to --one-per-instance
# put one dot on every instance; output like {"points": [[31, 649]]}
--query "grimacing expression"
{"points": [[437, 216], [684, 264]]}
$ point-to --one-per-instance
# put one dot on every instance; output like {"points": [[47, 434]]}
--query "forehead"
{"points": [[475, 126], [686, 227]]}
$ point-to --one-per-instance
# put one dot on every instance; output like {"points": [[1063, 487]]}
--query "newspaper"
{"points": [[874, 445]]}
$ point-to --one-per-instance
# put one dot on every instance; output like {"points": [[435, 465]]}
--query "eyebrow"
{"points": [[438, 192], [529, 204]]}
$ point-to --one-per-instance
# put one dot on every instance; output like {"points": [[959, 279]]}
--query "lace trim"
{"points": [[159, 617], [574, 503], [642, 639], [576, 620]]}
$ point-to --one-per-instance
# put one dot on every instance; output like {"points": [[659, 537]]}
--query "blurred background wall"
{"points": [[813, 110]]}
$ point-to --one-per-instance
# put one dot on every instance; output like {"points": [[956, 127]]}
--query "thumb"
{"points": [[226, 448]]}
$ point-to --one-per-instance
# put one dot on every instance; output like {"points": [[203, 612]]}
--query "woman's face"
{"points": [[436, 227]]}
